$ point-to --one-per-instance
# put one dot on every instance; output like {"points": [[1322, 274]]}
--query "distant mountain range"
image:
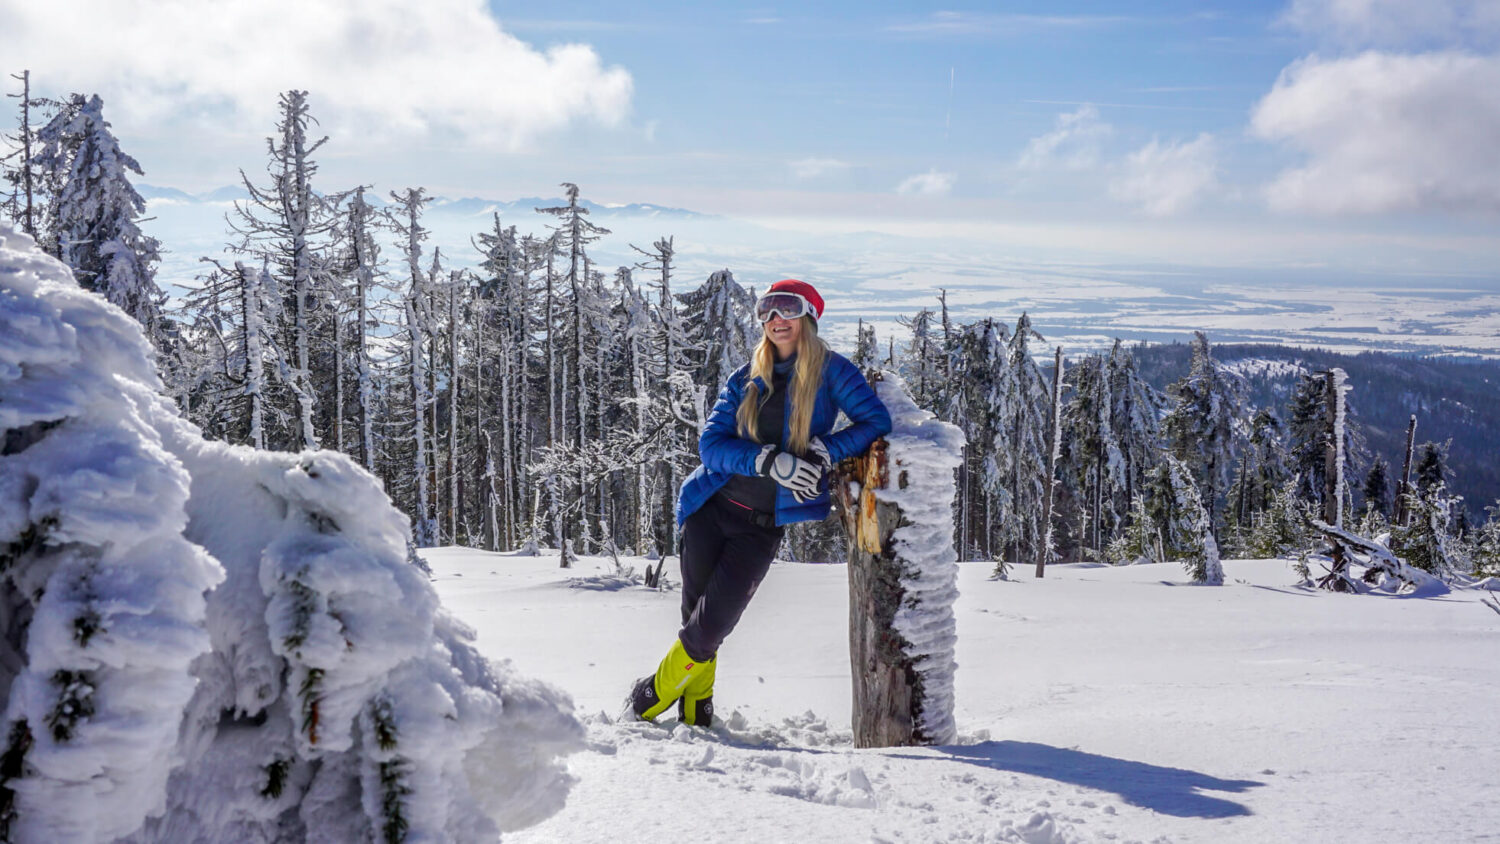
{"points": [[472, 206]]}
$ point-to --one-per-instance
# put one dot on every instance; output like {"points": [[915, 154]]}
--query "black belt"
{"points": [[756, 517]]}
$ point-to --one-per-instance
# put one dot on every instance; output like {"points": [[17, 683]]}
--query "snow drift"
{"points": [[253, 613]]}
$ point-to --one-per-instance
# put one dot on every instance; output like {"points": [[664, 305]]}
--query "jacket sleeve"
{"points": [[720, 447], [868, 418]]}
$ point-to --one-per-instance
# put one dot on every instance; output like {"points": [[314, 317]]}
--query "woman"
{"points": [[766, 452]]}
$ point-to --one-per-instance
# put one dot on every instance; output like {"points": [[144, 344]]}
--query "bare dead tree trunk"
{"points": [[1053, 441], [1333, 464], [1402, 514]]}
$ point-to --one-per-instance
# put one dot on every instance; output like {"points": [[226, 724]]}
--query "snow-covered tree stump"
{"points": [[897, 506]]}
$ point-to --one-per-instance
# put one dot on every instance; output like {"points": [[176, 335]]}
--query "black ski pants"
{"points": [[725, 555]]}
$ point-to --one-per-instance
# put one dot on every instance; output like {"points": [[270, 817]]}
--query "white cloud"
{"points": [[931, 183], [1386, 132], [1074, 143], [379, 68], [811, 168], [1397, 23], [1167, 178]]}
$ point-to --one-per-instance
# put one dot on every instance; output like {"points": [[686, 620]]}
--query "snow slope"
{"points": [[1099, 704]]}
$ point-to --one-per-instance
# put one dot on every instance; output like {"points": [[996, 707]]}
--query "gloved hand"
{"points": [[819, 452], [797, 475]]}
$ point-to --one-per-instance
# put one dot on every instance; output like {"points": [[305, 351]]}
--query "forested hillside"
{"points": [[1455, 401]]}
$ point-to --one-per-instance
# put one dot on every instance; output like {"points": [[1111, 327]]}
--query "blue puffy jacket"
{"points": [[725, 453]]}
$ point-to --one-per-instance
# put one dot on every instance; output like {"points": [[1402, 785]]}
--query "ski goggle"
{"points": [[788, 306]]}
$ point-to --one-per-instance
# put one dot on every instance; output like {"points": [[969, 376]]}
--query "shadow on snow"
{"points": [[1170, 791]]}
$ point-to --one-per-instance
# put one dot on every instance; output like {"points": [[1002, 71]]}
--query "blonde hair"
{"points": [[806, 378]]}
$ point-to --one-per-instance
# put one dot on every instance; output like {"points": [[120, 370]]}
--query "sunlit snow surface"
{"points": [[1079, 300], [1098, 704]]}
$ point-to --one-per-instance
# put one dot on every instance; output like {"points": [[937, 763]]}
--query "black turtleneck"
{"points": [[753, 491]]}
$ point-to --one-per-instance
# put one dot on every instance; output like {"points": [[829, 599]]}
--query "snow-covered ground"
{"points": [[1097, 704]]}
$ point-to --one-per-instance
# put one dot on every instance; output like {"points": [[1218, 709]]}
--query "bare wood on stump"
{"points": [[885, 681]]}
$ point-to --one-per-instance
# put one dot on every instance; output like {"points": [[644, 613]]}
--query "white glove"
{"points": [[799, 476], [820, 451]]}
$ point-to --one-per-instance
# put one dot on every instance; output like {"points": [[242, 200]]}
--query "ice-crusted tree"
{"points": [[286, 224], [982, 409], [866, 347], [1176, 507], [1139, 541], [235, 353], [320, 693], [18, 167], [1261, 469], [1025, 461], [1486, 555], [1136, 409], [95, 212], [720, 317], [102, 597], [1427, 541], [1308, 437], [417, 309], [1282, 526], [923, 365], [1091, 454], [1200, 427]]}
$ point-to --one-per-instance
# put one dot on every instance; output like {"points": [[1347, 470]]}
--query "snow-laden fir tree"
{"points": [[1431, 468], [1377, 489], [1025, 461], [1176, 507], [1135, 419], [984, 393], [235, 356], [1282, 526], [94, 214], [102, 603], [1200, 427], [721, 329], [1138, 542], [1261, 470], [1091, 456], [1427, 541], [320, 694], [1486, 554], [923, 366]]}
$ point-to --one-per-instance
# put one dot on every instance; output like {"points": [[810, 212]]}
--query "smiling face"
{"points": [[783, 334]]}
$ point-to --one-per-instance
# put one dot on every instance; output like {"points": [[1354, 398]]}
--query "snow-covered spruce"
{"points": [[338, 702], [922, 453], [102, 605], [1185, 522]]}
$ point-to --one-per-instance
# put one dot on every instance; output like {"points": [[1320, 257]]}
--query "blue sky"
{"points": [[1304, 132]]}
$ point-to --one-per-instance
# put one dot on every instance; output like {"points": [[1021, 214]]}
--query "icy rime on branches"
{"points": [[334, 700], [903, 572], [102, 603]]}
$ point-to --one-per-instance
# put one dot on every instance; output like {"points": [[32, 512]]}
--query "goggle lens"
{"points": [[788, 306]]}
